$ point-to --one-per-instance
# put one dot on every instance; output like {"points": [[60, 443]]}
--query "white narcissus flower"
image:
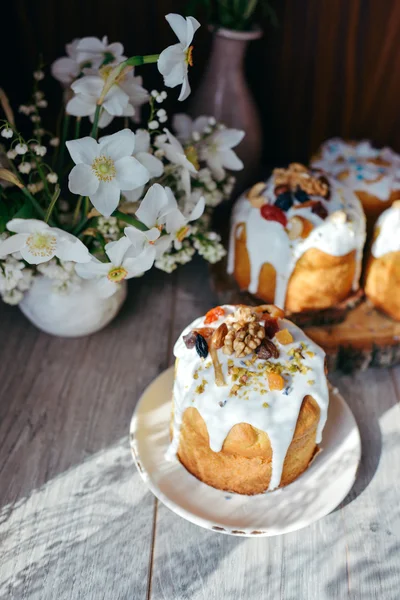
{"points": [[102, 169], [120, 101], [175, 153], [153, 164], [89, 52], [174, 61], [99, 52], [38, 242], [217, 151], [155, 206], [185, 127], [147, 245], [177, 223], [67, 68], [122, 266]]}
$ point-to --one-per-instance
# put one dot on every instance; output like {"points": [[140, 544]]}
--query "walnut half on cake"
{"points": [[250, 399]]}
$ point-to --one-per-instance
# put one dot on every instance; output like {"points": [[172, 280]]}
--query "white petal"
{"points": [[116, 101], [198, 210], [118, 144], [116, 48], [26, 225], [200, 124], [162, 245], [214, 163], [183, 125], [70, 248], [152, 234], [137, 239], [228, 138], [174, 221], [185, 179], [184, 29], [83, 150], [116, 250], [177, 146], [81, 106], [105, 118], [140, 264], [153, 164], [130, 173], [231, 161], [172, 65], [83, 181], [34, 259], [92, 269], [142, 141], [106, 198], [106, 287], [154, 201], [13, 244], [89, 85], [185, 91], [65, 69]]}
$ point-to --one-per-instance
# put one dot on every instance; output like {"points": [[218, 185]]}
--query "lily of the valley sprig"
{"points": [[79, 205]]}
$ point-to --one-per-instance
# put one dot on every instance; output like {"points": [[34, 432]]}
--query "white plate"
{"points": [[313, 495]]}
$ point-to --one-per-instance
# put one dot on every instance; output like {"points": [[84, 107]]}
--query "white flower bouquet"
{"points": [[109, 207]]}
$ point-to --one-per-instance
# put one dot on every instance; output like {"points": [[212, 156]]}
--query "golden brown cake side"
{"points": [[244, 463], [319, 280]]}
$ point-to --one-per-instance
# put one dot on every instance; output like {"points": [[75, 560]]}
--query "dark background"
{"points": [[331, 67]]}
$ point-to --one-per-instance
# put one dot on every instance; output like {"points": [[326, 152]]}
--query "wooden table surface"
{"points": [[77, 522]]}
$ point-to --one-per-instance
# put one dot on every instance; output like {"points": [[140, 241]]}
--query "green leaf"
{"points": [[25, 212]]}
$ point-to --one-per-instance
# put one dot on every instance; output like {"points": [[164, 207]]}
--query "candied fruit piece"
{"points": [[275, 381], [273, 213], [214, 314], [206, 332], [284, 337]]}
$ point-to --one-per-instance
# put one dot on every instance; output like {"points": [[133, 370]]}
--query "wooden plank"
{"points": [[88, 532]]}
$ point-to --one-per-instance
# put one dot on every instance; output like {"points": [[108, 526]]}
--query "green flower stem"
{"points": [[135, 61], [130, 220], [35, 204], [52, 204], [93, 133], [42, 176], [77, 210], [77, 127]]}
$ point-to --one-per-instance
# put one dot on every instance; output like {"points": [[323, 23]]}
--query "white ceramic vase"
{"points": [[74, 314]]}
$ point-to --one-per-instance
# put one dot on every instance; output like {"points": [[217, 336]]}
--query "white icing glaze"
{"points": [[337, 157], [268, 242], [388, 238], [221, 411]]}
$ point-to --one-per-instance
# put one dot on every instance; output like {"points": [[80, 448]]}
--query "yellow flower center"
{"points": [[104, 168], [189, 56], [182, 233], [41, 244], [117, 274], [191, 155]]}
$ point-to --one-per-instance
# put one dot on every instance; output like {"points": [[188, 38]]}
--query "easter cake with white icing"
{"points": [[250, 399], [372, 173], [297, 240], [382, 278]]}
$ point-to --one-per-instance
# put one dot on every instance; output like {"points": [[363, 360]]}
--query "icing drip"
{"points": [[221, 411], [353, 162], [388, 227], [268, 242]]}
